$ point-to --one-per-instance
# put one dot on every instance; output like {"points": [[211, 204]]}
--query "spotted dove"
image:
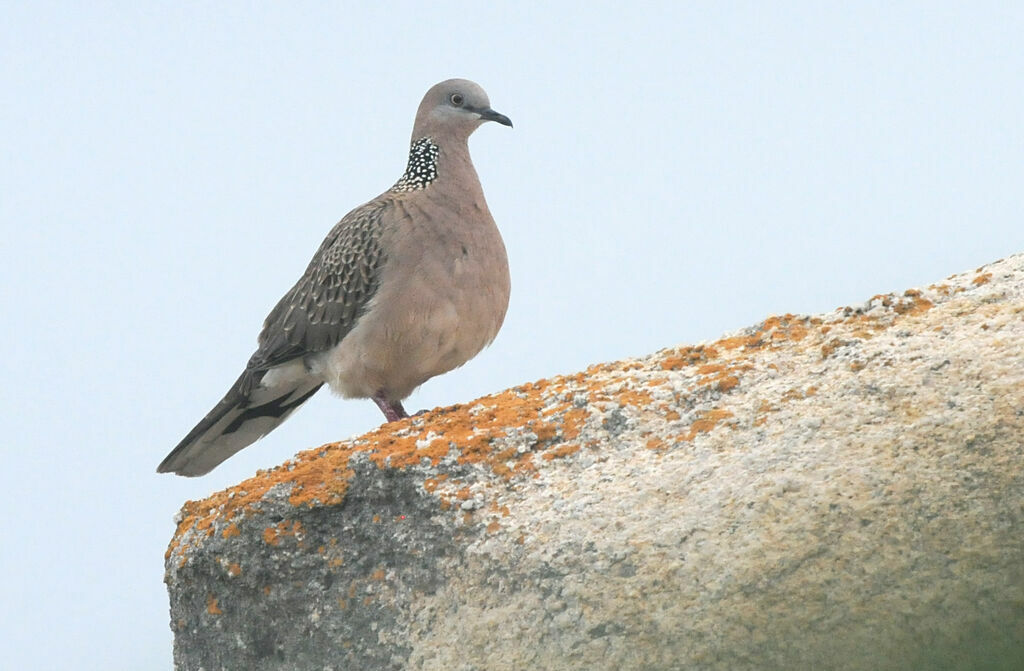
{"points": [[408, 286]]}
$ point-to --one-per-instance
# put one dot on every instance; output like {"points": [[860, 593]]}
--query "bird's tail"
{"points": [[250, 410]]}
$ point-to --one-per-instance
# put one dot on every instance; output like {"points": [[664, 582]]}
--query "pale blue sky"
{"points": [[676, 170]]}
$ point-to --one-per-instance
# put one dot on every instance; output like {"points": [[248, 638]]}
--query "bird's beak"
{"points": [[487, 114]]}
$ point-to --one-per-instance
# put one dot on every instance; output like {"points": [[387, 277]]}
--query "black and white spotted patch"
{"points": [[422, 168]]}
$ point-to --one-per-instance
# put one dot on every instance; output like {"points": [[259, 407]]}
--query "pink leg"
{"points": [[392, 410]]}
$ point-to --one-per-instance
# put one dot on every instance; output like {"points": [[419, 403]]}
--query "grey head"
{"points": [[452, 110]]}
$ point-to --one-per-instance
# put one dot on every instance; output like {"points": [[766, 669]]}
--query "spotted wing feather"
{"points": [[316, 314], [324, 305]]}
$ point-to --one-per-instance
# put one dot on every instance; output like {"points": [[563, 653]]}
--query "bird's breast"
{"points": [[442, 298]]}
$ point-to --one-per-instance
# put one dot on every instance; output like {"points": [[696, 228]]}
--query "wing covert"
{"points": [[329, 298]]}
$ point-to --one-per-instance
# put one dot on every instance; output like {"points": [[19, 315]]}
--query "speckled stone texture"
{"points": [[843, 491]]}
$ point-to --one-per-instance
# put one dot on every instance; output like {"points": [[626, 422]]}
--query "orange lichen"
{"points": [[911, 303], [272, 535], [728, 383], [761, 414], [493, 527], [572, 423], [230, 530], [378, 575], [431, 484], [707, 421], [545, 431], [773, 332], [211, 605], [786, 327], [638, 398], [722, 376], [915, 306], [234, 569], [688, 356], [831, 346], [737, 342], [655, 443], [563, 450], [984, 278]]}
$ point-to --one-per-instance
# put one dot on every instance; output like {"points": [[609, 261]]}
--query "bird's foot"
{"points": [[392, 410]]}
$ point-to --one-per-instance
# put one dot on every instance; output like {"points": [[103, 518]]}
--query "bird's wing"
{"points": [[313, 316], [327, 301]]}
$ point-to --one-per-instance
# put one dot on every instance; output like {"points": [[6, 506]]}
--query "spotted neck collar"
{"points": [[422, 167]]}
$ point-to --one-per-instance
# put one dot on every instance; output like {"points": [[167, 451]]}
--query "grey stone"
{"points": [[843, 491]]}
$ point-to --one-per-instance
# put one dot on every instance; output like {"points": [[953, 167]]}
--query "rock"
{"points": [[842, 491]]}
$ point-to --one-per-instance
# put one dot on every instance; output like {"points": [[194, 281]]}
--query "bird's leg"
{"points": [[392, 410]]}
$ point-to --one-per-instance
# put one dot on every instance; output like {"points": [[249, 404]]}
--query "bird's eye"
{"points": [[457, 99]]}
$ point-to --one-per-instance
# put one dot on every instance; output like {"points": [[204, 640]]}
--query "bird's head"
{"points": [[454, 109]]}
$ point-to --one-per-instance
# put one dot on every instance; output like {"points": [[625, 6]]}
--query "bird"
{"points": [[407, 286]]}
